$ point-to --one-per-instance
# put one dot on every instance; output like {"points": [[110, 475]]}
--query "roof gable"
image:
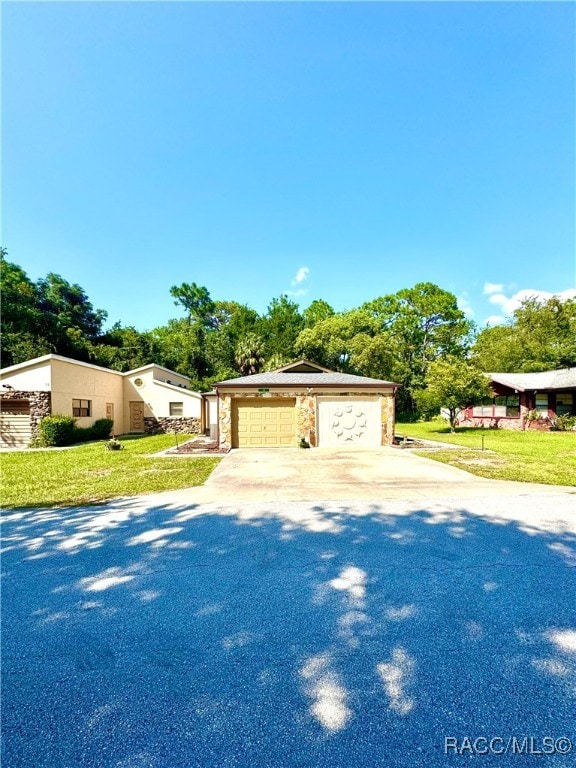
{"points": [[303, 366]]}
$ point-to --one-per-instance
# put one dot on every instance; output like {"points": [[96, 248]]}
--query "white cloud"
{"points": [[301, 275], [508, 304], [465, 305], [492, 288]]}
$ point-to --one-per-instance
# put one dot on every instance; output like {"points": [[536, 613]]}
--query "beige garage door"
{"points": [[15, 431], [349, 422], [263, 423]]}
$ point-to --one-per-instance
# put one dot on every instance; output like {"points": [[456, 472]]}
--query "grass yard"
{"points": [[535, 457], [86, 474]]}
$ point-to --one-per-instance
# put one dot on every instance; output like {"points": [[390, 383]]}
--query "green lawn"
{"points": [[88, 473], [536, 457]]}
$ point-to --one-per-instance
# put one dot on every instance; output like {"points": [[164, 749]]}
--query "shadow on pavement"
{"points": [[282, 635]]}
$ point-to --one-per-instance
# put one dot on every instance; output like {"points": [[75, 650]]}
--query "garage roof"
{"points": [[303, 373]]}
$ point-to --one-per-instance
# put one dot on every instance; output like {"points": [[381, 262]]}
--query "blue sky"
{"points": [[326, 150]]}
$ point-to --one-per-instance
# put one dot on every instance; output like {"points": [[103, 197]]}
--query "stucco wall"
{"points": [[76, 381], [306, 411], [157, 397], [36, 378]]}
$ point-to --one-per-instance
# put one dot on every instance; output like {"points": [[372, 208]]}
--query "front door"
{"points": [[136, 416], [110, 413]]}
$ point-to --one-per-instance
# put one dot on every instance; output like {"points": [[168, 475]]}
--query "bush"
{"points": [[82, 435], [62, 430], [56, 431], [101, 429], [564, 423]]}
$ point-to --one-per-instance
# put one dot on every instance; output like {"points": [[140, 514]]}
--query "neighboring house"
{"points": [[304, 400], [515, 395], [148, 399]]}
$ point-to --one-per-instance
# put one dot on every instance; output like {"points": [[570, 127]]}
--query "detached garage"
{"points": [[305, 401]]}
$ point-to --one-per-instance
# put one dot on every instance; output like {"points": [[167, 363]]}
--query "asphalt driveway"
{"points": [[147, 633]]}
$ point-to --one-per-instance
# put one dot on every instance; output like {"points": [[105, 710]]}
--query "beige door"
{"points": [[136, 416], [110, 413], [349, 422], [15, 429], [263, 423]]}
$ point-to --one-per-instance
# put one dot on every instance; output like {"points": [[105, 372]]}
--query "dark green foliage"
{"points": [[56, 431], [396, 337], [51, 315], [101, 429], [540, 336]]}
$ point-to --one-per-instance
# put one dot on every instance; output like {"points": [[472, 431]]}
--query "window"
{"points": [[542, 404], [508, 406], [483, 410], [504, 406], [81, 407], [564, 403], [176, 409]]}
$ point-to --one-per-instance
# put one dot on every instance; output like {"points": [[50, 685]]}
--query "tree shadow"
{"points": [[283, 635]]}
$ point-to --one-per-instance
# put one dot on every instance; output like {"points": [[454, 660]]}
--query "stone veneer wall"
{"points": [[160, 425], [499, 422], [388, 417], [40, 405], [305, 413]]}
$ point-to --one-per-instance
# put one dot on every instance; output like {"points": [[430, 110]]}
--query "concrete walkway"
{"points": [[292, 474]]}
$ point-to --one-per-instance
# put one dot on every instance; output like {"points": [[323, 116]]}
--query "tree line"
{"points": [[399, 337]]}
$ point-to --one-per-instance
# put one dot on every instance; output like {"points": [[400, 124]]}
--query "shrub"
{"points": [[62, 430], [56, 430], [564, 423], [82, 434], [101, 429]]}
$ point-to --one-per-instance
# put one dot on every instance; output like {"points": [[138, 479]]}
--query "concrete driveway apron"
{"points": [[292, 474]]}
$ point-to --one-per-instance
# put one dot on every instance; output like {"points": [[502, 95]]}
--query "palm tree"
{"points": [[249, 354]]}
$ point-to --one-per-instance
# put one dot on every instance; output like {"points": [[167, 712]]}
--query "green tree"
{"points": [[71, 325], [454, 384], [200, 310], [317, 311], [541, 335], [249, 354], [340, 342], [280, 327], [196, 301], [425, 324], [22, 326], [233, 322], [124, 348]]}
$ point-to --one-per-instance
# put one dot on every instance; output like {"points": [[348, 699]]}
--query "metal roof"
{"points": [[565, 378]]}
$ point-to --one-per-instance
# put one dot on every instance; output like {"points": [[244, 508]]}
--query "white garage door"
{"points": [[349, 422]]}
